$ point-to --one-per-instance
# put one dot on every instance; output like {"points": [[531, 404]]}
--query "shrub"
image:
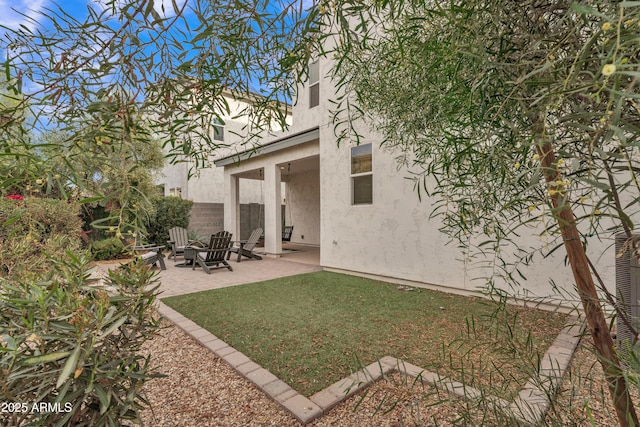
{"points": [[169, 212], [90, 213], [73, 345], [110, 248], [33, 230]]}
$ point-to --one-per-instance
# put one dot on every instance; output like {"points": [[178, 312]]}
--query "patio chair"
{"points": [[153, 255], [287, 230], [215, 253], [150, 254], [246, 246], [178, 240]]}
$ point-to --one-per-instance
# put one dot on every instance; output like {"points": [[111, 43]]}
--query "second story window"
{"points": [[314, 84], [218, 130]]}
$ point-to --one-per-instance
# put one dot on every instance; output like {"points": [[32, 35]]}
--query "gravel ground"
{"points": [[201, 390], [585, 391]]}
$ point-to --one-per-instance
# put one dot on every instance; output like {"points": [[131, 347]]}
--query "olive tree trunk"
{"points": [[596, 320]]}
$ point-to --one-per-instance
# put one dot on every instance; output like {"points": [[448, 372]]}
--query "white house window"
{"points": [[175, 192], [361, 175], [218, 130], [314, 84]]}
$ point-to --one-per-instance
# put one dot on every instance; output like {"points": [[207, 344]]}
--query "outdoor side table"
{"points": [[190, 255]]}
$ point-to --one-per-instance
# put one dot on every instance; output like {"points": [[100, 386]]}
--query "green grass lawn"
{"points": [[314, 329]]}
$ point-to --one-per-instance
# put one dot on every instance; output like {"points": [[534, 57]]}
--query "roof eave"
{"points": [[277, 145]]}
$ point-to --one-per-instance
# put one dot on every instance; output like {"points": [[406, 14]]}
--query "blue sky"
{"points": [[12, 11]]}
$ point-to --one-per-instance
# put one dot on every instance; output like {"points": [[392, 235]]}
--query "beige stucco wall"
{"points": [[391, 237], [303, 207], [303, 117], [173, 176], [208, 187], [394, 237]]}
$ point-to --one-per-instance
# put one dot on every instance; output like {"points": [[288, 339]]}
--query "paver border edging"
{"points": [[529, 407]]}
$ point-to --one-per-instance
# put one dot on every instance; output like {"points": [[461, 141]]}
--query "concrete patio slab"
{"points": [[179, 281]]}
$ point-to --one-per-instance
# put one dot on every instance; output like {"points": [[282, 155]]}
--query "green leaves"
{"points": [[45, 358], [126, 77], [112, 328], [69, 367], [82, 343]]}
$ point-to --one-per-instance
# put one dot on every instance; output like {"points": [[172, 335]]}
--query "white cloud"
{"points": [[308, 4], [168, 7], [25, 12], [158, 5]]}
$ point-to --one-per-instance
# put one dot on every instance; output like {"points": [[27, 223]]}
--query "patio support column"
{"points": [[272, 211], [231, 205]]}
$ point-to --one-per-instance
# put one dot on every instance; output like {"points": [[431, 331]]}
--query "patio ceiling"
{"points": [[293, 167]]}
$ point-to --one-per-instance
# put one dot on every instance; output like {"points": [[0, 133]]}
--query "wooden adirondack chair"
{"points": [[245, 247], [178, 240], [215, 253], [151, 255]]}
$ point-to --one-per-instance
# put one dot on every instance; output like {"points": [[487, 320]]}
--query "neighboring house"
{"points": [[206, 188]]}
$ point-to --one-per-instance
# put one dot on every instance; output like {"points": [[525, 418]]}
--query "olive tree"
{"points": [[111, 83], [535, 99], [94, 78], [512, 114]]}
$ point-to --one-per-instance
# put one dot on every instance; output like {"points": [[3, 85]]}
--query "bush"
{"points": [[34, 230], [170, 212], [111, 248], [90, 213], [73, 346]]}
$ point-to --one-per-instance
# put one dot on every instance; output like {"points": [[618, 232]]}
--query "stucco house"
{"points": [[206, 187], [359, 208]]}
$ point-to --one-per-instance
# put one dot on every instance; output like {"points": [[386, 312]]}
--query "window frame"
{"points": [[218, 129], [353, 176], [175, 192], [314, 85]]}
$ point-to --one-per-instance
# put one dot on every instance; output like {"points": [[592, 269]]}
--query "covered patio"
{"points": [[289, 169]]}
